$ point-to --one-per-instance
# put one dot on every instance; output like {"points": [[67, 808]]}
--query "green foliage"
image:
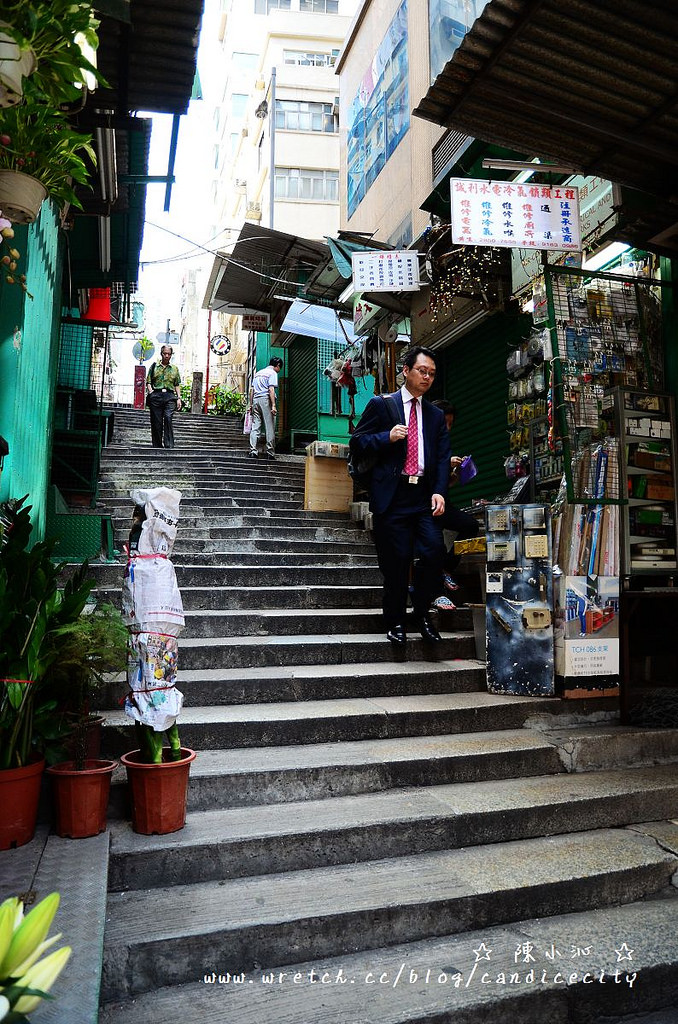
{"points": [[52, 29], [35, 617], [224, 401], [185, 390], [43, 144]]}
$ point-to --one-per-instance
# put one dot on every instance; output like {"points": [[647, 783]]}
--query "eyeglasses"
{"points": [[425, 373]]}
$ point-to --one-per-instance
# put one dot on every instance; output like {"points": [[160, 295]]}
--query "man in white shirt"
{"points": [[263, 406]]}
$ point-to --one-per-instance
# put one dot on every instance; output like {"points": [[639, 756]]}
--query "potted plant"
{"points": [[41, 155], [47, 45], [34, 617], [96, 644], [153, 613]]}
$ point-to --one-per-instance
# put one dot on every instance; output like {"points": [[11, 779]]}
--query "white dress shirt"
{"points": [[407, 406]]}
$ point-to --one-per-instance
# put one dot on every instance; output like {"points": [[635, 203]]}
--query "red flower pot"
{"points": [[158, 792], [19, 794], [81, 797]]}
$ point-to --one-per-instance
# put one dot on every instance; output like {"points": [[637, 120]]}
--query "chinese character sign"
{"points": [[514, 214], [385, 271]]}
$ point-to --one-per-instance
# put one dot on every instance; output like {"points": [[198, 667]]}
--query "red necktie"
{"points": [[412, 461]]}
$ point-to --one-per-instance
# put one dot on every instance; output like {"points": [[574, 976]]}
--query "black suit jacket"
{"points": [[372, 436]]}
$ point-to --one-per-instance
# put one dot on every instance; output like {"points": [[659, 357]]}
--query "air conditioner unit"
{"points": [[253, 211], [240, 186], [244, 132]]}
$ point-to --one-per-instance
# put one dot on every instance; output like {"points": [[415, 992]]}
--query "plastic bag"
{"points": [[247, 423], [467, 470]]}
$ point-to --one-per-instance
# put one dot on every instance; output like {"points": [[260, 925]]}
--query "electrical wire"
{"points": [[216, 252]]}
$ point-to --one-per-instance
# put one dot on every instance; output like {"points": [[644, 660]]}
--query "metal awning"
{"points": [[313, 321], [264, 264], [147, 53], [590, 85]]}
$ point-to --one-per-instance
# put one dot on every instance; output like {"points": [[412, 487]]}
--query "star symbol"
{"points": [[482, 952], [623, 953]]}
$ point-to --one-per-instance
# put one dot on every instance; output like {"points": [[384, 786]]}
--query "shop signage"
{"points": [[396, 271], [511, 214], [255, 322], [598, 203]]}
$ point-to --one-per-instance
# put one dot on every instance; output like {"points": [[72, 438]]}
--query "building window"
{"points": [[402, 236], [301, 116], [319, 6], [300, 183], [266, 6], [239, 104], [245, 61], [379, 116], [313, 60]]}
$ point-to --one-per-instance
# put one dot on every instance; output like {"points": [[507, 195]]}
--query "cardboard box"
{"points": [[327, 485], [659, 489], [327, 450]]}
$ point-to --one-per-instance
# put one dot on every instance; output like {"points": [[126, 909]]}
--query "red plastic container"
{"points": [[19, 794], [81, 797], [158, 792]]}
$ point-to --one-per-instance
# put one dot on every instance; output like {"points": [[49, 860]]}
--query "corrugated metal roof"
{"points": [[150, 63], [592, 85], [264, 263]]}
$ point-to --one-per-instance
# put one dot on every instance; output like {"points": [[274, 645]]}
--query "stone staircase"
{"points": [[369, 841]]}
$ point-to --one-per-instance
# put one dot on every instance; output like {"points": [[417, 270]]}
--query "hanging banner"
{"points": [[511, 214], [396, 271]]}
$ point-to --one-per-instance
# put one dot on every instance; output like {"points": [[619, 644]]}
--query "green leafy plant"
{"points": [[225, 401], [40, 142], [145, 348], [35, 616], [186, 390], [55, 30], [89, 648], [25, 975]]}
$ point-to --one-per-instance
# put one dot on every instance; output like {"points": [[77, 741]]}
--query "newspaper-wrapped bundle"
{"points": [[153, 698], [153, 612], [151, 600]]}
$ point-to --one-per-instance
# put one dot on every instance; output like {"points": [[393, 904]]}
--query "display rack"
{"points": [[645, 425]]}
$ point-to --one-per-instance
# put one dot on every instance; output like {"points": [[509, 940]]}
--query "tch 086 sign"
{"points": [[516, 215]]}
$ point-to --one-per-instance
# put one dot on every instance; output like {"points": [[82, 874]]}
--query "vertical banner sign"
{"points": [[139, 387], [510, 214], [385, 271]]}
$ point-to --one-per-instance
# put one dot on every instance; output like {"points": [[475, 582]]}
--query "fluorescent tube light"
{"points": [[605, 255]]}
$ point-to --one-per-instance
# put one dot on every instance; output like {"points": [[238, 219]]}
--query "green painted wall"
{"points": [[28, 368], [475, 381]]}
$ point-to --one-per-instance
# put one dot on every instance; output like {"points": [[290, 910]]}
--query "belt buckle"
{"points": [[413, 479]]}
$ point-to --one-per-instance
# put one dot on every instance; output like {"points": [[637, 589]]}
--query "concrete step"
{"points": [[263, 597], [275, 684], [305, 553], [316, 522], [480, 976], [167, 935], [247, 572], [218, 506], [267, 530], [191, 493], [272, 775], [299, 622], [295, 836], [336, 720]]}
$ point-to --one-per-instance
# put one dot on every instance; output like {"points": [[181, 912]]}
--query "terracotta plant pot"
{"points": [[19, 793], [21, 196], [15, 65], [158, 792], [81, 797]]}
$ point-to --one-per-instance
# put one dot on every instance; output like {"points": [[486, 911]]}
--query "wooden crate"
{"points": [[327, 485]]}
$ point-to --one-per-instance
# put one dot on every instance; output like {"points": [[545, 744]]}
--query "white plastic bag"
{"points": [[247, 423]]}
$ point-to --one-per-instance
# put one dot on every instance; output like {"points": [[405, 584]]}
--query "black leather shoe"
{"points": [[428, 631], [397, 635]]}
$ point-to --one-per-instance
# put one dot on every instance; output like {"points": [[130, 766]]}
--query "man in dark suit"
{"points": [[407, 489]]}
